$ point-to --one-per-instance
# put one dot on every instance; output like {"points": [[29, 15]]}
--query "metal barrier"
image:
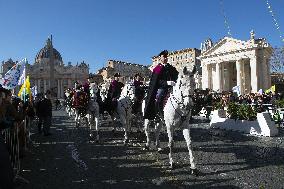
{"points": [[11, 138]]}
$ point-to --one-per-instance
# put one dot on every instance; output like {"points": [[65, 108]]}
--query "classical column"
{"points": [[254, 74], [239, 75], [61, 88], [217, 81], [210, 75], [222, 78], [204, 76], [247, 78], [38, 86], [44, 86], [58, 88]]}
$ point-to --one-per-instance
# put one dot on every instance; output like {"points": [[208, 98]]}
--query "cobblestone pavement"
{"points": [[67, 159]]}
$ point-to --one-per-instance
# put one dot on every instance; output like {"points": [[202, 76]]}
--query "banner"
{"points": [[25, 90], [237, 90], [271, 89], [11, 78], [34, 91]]}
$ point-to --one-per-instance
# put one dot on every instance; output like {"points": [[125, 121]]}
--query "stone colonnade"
{"points": [[44, 84], [250, 74]]}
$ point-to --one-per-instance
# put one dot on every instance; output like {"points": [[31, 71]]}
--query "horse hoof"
{"points": [[146, 148], [126, 141], [194, 172], [159, 149], [172, 165]]}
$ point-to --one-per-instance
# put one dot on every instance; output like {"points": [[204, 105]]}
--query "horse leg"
{"points": [[90, 123], [113, 123], [76, 118], [170, 144], [147, 133], [97, 128], [186, 134], [157, 132]]}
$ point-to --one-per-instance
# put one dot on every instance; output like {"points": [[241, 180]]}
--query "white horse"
{"points": [[93, 111], [124, 108], [177, 113], [68, 103], [104, 90]]}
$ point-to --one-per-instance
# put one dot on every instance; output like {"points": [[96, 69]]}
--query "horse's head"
{"points": [[93, 89], [128, 91], [67, 94], [104, 90], [185, 85]]}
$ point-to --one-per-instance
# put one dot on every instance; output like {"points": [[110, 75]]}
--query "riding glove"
{"points": [[171, 83]]}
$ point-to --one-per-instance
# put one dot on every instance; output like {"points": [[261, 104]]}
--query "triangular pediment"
{"points": [[226, 45]]}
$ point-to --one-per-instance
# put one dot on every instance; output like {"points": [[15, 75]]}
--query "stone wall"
{"points": [[126, 69]]}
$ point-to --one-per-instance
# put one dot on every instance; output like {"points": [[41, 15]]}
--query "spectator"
{"points": [[45, 111], [6, 170]]}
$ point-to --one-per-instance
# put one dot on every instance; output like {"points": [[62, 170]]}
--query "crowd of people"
{"points": [[211, 100], [16, 116]]}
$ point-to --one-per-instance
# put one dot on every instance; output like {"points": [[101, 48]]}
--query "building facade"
{"points": [[183, 58], [127, 70], [49, 72], [232, 62]]}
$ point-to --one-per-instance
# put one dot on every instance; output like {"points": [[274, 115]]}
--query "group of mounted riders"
{"points": [[168, 89], [163, 78]]}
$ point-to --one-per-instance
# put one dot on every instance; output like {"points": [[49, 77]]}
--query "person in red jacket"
{"points": [[163, 78], [114, 92]]}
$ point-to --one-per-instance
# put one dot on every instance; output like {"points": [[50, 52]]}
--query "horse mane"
{"points": [[124, 89]]}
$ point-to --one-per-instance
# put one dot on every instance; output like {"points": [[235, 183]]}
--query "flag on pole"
{"points": [[11, 78], [271, 89], [34, 91], [236, 89], [25, 90], [23, 76]]}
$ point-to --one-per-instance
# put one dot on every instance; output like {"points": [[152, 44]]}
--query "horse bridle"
{"points": [[183, 117]]}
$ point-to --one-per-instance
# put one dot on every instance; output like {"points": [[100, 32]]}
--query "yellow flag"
{"points": [[25, 89], [273, 88]]}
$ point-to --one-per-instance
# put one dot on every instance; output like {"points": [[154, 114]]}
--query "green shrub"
{"points": [[280, 103], [233, 110], [241, 112], [217, 105]]}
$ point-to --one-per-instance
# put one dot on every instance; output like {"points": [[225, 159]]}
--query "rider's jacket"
{"points": [[160, 75], [115, 90], [139, 90], [80, 99]]}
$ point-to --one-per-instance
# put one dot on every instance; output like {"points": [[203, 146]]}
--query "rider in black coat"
{"points": [[114, 93], [163, 77]]}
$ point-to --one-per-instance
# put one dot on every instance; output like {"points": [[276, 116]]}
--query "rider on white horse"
{"points": [[178, 106], [114, 94], [163, 78]]}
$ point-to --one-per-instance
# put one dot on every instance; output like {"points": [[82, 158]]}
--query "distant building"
{"points": [[232, 62], [62, 76], [127, 70], [96, 78], [183, 58]]}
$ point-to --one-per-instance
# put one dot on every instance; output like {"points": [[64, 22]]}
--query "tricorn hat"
{"points": [[117, 74], [164, 53]]}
